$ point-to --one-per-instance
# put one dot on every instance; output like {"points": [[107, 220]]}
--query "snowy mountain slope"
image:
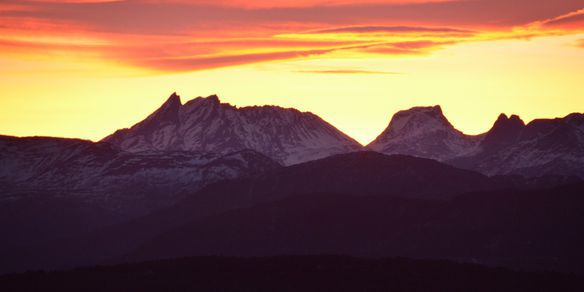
{"points": [[100, 174], [207, 125], [423, 132], [542, 147]]}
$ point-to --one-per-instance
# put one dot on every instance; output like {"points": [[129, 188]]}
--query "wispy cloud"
{"points": [[390, 29], [180, 35], [348, 71], [200, 63], [574, 19]]}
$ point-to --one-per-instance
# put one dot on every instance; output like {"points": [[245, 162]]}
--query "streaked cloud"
{"points": [[195, 35], [347, 71], [200, 63], [573, 19], [391, 29]]}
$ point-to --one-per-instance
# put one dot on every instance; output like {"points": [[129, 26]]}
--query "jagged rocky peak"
{"points": [[173, 100], [512, 121], [507, 126], [542, 147], [205, 124], [506, 130], [200, 101], [170, 107]]}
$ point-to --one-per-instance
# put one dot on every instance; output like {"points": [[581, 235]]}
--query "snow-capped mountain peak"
{"points": [[424, 132], [205, 124], [416, 120]]}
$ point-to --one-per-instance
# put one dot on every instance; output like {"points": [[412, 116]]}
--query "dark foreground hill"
{"points": [[292, 273], [533, 230], [363, 204]]}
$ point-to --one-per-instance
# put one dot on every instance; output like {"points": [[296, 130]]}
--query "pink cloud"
{"points": [[194, 35], [571, 20], [391, 29], [200, 63]]}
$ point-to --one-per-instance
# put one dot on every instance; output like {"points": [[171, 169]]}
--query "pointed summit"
{"points": [[167, 112], [166, 116], [204, 124], [173, 100], [504, 121], [506, 130]]}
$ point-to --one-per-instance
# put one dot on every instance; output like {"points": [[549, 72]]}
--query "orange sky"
{"points": [[83, 68]]}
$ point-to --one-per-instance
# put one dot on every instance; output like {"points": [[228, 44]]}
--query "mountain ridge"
{"points": [[131, 183], [205, 124], [540, 147], [289, 136]]}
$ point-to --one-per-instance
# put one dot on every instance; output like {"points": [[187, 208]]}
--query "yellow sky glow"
{"points": [[355, 77]]}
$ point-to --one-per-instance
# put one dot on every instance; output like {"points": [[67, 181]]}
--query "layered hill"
{"points": [[376, 184], [535, 230]]}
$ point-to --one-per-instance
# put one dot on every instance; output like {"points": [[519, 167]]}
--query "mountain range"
{"points": [[208, 178], [542, 147], [116, 180], [205, 124], [360, 204]]}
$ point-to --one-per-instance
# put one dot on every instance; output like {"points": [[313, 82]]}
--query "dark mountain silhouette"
{"points": [[207, 125], [42, 217], [367, 173], [292, 273], [361, 176], [538, 230], [504, 133]]}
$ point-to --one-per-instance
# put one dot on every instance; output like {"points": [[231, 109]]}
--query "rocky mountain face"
{"points": [[542, 147], [101, 175], [207, 125], [423, 132]]}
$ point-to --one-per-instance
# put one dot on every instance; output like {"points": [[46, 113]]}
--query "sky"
{"points": [[84, 68]]}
